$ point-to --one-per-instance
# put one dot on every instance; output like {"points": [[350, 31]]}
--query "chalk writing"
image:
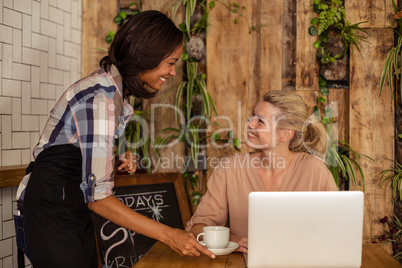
{"points": [[120, 247]]}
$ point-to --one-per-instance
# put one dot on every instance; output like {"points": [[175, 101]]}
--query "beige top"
{"points": [[235, 177]]}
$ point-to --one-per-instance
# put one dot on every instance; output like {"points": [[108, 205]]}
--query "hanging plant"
{"points": [[332, 15], [329, 25], [193, 87], [392, 66]]}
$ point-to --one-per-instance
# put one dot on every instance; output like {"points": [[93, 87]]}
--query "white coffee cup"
{"points": [[214, 237]]}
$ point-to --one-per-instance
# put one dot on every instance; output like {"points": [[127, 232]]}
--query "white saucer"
{"points": [[223, 251]]}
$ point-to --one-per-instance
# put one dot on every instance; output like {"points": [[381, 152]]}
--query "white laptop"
{"points": [[305, 229]]}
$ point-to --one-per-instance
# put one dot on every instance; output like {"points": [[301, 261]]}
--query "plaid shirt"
{"points": [[91, 113]]}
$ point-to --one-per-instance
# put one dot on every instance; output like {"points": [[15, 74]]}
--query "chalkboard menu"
{"points": [[159, 200]]}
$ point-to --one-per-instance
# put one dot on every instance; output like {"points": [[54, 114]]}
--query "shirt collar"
{"points": [[114, 72]]}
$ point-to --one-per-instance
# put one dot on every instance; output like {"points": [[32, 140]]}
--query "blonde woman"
{"points": [[287, 144]]}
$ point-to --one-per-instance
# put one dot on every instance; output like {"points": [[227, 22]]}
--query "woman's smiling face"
{"points": [[155, 78], [262, 127]]}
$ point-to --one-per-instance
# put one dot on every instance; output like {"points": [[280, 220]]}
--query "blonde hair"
{"points": [[310, 135]]}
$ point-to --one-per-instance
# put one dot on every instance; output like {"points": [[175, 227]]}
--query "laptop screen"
{"points": [[305, 229]]}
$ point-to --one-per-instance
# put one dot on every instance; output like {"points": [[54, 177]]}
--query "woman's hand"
{"points": [[185, 243], [242, 241], [128, 162]]}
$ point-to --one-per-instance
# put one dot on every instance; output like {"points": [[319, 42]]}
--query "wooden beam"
{"points": [[372, 125], [97, 21], [376, 13], [306, 59], [338, 101], [271, 45], [228, 72]]}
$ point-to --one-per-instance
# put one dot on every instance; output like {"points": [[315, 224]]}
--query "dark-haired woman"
{"points": [[72, 174]]}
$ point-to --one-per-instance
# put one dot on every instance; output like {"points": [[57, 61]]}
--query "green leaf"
{"points": [[187, 20], [161, 143], [212, 104], [170, 129], [324, 91], [190, 87], [236, 143], [203, 89], [192, 5], [196, 194], [184, 56], [386, 69], [179, 92], [123, 15], [216, 136], [118, 20], [230, 134], [316, 7], [328, 112], [360, 171], [312, 31], [182, 27], [211, 4], [236, 5], [316, 111], [314, 21], [321, 99], [317, 44], [322, 82], [194, 178], [108, 39]]}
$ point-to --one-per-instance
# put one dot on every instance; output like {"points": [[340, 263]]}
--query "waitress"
{"points": [[72, 175]]}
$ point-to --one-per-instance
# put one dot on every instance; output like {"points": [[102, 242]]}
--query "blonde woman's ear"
{"points": [[287, 134]]}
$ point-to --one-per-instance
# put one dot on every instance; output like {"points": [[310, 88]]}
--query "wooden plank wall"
{"points": [[243, 66], [371, 127], [228, 71], [97, 21]]}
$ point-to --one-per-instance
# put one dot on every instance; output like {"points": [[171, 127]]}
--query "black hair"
{"points": [[141, 44]]}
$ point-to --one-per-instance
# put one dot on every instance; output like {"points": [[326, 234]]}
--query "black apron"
{"points": [[58, 223]]}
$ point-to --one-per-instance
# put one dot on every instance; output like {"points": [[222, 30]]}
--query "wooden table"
{"points": [[374, 256], [160, 255]]}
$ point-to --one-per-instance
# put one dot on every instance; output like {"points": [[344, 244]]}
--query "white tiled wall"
{"points": [[40, 56]]}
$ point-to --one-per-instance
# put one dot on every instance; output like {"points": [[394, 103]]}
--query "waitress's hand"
{"points": [[242, 241], [128, 162], [185, 243]]}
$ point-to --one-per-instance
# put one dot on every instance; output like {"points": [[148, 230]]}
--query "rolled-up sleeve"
{"points": [[96, 124]]}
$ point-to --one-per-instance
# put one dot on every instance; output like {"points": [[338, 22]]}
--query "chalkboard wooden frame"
{"points": [[175, 180], [156, 178]]}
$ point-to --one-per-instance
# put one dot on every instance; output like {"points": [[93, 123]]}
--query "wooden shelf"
{"points": [[11, 176]]}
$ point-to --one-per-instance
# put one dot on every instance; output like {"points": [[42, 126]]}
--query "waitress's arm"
{"points": [[180, 241]]}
